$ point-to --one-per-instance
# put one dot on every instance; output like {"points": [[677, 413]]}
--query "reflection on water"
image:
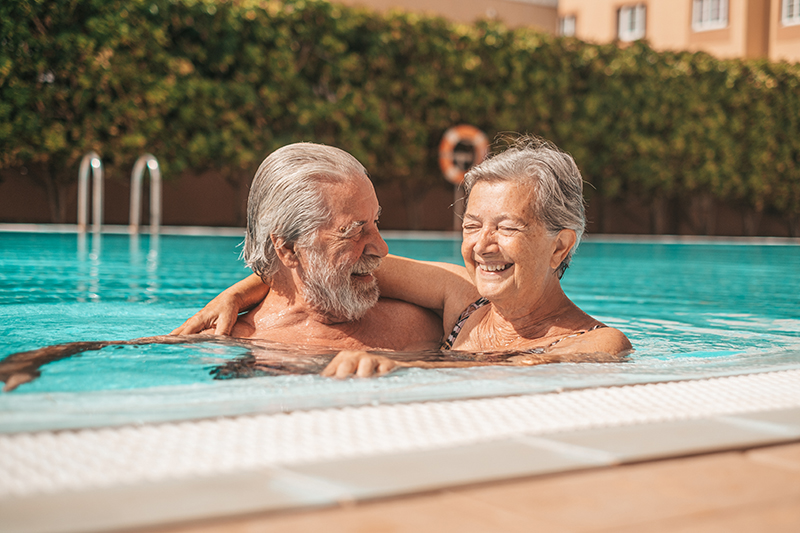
{"points": [[97, 268], [89, 267], [148, 290]]}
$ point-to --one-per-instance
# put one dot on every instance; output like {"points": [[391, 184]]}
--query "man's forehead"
{"points": [[355, 195]]}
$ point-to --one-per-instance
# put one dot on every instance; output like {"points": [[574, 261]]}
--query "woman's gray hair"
{"points": [[553, 177], [286, 199]]}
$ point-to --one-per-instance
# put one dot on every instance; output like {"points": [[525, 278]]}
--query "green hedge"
{"points": [[219, 84]]}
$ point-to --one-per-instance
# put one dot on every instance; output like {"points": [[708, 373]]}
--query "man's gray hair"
{"points": [[286, 199], [553, 177]]}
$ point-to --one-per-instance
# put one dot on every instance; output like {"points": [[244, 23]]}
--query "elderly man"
{"points": [[312, 237]]}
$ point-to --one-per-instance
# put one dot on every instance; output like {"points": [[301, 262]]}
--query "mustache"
{"points": [[366, 265]]}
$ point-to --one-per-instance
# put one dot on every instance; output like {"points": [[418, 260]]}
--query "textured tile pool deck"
{"points": [[754, 490], [718, 454]]}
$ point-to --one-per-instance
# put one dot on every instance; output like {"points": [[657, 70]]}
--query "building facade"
{"points": [[768, 29], [540, 14]]}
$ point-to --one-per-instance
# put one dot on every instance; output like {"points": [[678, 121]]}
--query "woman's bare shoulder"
{"points": [[602, 340]]}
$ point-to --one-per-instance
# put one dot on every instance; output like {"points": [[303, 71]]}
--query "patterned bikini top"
{"points": [[480, 302], [471, 308]]}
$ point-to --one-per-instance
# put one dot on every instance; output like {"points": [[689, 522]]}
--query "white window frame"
{"points": [[704, 18], [790, 13], [631, 22], [566, 26]]}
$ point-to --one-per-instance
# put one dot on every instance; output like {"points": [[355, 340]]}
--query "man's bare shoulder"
{"points": [[389, 307], [402, 320]]}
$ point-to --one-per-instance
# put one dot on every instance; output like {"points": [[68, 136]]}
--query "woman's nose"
{"points": [[486, 241]]}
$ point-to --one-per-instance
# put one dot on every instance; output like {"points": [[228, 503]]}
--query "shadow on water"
{"points": [[260, 358]]}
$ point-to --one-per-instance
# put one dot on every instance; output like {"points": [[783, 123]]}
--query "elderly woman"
{"points": [[523, 221]]}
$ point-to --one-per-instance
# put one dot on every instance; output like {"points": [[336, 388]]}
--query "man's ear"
{"points": [[564, 242], [285, 251]]}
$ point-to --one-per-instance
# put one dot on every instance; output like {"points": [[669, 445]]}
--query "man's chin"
{"points": [[366, 299], [351, 307]]}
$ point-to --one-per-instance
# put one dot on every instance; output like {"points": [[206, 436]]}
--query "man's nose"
{"points": [[376, 245]]}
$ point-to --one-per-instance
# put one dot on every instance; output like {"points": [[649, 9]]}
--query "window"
{"points": [[631, 23], [566, 26], [791, 12], [710, 14]]}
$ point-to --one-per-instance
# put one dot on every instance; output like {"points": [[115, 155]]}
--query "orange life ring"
{"points": [[461, 134]]}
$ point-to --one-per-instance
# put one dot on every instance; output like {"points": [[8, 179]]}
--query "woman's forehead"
{"points": [[501, 197]]}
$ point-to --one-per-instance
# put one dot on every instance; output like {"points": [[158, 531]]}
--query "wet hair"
{"points": [[286, 199], [557, 199]]}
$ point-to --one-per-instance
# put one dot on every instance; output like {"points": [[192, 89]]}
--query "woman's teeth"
{"points": [[494, 268]]}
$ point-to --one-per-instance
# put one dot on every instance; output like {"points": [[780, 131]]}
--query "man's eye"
{"points": [[471, 227]]}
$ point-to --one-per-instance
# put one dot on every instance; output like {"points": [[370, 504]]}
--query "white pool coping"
{"points": [[144, 475]]}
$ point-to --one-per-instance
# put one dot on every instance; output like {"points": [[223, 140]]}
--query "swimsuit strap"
{"points": [[480, 302], [471, 308], [576, 334]]}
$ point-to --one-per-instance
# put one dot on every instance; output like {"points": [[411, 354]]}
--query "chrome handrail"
{"points": [[90, 160], [146, 161]]}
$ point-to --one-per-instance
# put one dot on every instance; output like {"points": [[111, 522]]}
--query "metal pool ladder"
{"points": [[150, 162], [90, 160]]}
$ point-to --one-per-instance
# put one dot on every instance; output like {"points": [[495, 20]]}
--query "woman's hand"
{"points": [[221, 313], [359, 364]]}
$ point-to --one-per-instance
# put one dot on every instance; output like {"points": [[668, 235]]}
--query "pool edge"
{"points": [[473, 459]]}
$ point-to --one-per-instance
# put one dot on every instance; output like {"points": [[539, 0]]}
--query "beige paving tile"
{"points": [[171, 501], [713, 493], [785, 417], [786, 456], [432, 512], [397, 474], [773, 517], [632, 495], [670, 439]]}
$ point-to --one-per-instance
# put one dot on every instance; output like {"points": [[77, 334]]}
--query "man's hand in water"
{"points": [[359, 364], [15, 374], [22, 367]]}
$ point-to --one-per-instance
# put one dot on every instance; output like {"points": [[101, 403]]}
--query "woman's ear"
{"points": [[285, 251], [562, 245]]}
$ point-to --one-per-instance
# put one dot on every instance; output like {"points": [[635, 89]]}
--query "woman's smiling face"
{"points": [[507, 251]]}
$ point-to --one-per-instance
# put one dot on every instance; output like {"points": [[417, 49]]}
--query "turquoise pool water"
{"points": [[691, 310]]}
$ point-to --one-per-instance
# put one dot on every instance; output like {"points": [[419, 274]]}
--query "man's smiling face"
{"points": [[337, 266]]}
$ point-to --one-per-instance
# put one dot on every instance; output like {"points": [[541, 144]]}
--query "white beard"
{"points": [[332, 292]]}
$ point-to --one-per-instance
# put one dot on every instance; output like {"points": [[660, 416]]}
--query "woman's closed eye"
{"points": [[508, 229], [471, 227]]}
